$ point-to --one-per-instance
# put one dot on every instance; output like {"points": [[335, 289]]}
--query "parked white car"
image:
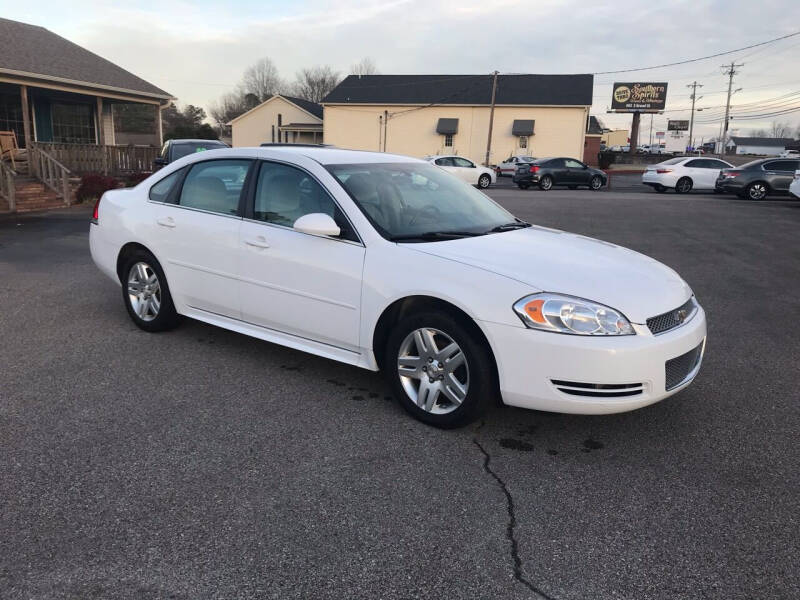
{"points": [[465, 169], [790, 154], [386, 262], [509, 166], [684, 174], [794, 187]]}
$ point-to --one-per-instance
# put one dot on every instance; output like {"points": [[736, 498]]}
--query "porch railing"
{"points": [[109, 160], [50, 172], [7, 188]]}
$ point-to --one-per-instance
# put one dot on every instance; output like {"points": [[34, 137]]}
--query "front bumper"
{"points": [[529, 361]]}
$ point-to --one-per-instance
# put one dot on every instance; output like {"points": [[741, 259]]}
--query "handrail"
{"points": [[50, 172], [7, 186]]}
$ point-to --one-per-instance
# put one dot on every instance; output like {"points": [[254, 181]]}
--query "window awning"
{"points": [[522, 127], [447, 126]]}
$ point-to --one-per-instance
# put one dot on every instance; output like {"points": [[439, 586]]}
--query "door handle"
{"points": [[259, 242], [166, 222]]}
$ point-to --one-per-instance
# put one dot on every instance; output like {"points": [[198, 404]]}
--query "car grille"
{"points": [[677, 370], [672, 319], [598, 390]]}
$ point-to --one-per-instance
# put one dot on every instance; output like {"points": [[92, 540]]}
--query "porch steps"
{"points": [[32, 194]]}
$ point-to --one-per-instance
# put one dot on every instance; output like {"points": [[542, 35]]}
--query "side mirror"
{"points": [[585, 166], [159, 162], [317, 224]]}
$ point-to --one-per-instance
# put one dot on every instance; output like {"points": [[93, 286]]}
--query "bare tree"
{"points": [[366, 66], [230, 106], [262, 80], [315, 83], [762, 133], [780, 130]]}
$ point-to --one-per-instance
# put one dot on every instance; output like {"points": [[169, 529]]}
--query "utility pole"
{"points": [[634, 132], [491, 120], [651, 131], [730, 72], [694, 85]]}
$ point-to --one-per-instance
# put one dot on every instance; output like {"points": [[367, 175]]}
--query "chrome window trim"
{"points": [[286, 227], [200, 210]]}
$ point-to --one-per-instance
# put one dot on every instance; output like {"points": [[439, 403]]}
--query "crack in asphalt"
{"points": [[512, 523]]}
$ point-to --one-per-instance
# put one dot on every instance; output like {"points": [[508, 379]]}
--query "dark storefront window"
{"points": [[73, 123], [11, 116]]}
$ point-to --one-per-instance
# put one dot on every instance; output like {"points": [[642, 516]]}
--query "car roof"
{"points": [[187, 141], [322, 155]]}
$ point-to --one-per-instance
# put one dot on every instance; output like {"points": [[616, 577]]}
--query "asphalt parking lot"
{"points": [[204, 464]]}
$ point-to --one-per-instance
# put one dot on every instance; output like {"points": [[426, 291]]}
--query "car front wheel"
{"points": [[146, 293], [484, 181], [438, 370]]}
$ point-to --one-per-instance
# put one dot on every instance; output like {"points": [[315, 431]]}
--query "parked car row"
{"points": [[754, 180]]}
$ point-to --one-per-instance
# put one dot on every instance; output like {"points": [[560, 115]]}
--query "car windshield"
{"points": [[184, 149], [420, 202]]}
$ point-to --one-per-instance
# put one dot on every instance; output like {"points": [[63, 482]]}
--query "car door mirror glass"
{"points": [[317, 224]]}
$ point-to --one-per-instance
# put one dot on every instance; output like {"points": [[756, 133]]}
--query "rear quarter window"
{"points": [[160, 191]]}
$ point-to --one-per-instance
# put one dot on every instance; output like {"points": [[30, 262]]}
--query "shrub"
{"points": [[132, 179], [94, 185], [606, 159]]}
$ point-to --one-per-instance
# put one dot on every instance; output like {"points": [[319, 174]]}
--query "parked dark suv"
{"points": [[547, 172], [172, 150], [758, 179]]}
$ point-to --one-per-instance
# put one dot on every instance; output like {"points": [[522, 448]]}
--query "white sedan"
{"points": [[684, 174], [386, 262], [794, 187], [465, 169], [509, 166]]}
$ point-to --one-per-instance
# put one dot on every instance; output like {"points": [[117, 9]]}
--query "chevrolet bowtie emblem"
{"points": [[681, 315]]}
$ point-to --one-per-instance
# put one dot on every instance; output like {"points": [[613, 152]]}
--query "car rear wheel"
{"points": [[684, 185], [596, 183], [546, 183], [146, 293], [757, 191], [438, 370], [484, 181]]}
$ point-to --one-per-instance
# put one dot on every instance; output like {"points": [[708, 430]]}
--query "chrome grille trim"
{"points": [[670, 320], [598, 390]]}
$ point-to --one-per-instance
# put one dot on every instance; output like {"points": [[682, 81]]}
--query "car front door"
{"points": [[577, 172], [467, 170], [780, 173], [293, 282], [196, 235]]}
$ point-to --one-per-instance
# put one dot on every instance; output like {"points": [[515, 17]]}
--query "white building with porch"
{"points": [[279, 119]]}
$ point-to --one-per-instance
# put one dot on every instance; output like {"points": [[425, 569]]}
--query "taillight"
{"points": [[731, 174], [96, 211], [662, 171], [534, 169]]}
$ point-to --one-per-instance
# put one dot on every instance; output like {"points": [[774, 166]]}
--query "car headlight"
{"points": [[567, 314]]}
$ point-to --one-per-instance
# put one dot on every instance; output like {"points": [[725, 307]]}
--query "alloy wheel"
{"points": [[684, 185], [546, 182], [144, 291], [757, 191], [433, 370], [484, 181], [596, 183]]}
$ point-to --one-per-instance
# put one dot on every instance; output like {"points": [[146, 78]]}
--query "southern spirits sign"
{"points": [[639, 97], [677, 125]]}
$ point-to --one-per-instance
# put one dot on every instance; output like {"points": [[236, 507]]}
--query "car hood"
{"points": [[557, 261]]}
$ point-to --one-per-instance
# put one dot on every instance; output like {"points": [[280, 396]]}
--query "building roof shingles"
{"points": [[760, 141], [38, 51], [308, 106], [570, 90]]}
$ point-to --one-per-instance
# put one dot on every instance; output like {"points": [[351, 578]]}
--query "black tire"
{"points": [[166, 317], [546, 183], [523, 186], [482, 387], [659, 188], [758, 190], [684, 185], [596, 183], [484, 181], [573, 187]]}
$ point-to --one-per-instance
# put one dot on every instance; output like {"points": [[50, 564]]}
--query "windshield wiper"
{"points": [[435, 235], [509, 226]]}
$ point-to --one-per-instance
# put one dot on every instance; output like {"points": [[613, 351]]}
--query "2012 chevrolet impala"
{"points": [[388, 262]]}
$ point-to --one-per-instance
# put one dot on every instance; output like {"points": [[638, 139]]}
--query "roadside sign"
{"points": [[673, 125], [639, 96]]}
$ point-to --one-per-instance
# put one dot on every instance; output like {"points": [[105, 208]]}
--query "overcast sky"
{"points": [[198, 50]]}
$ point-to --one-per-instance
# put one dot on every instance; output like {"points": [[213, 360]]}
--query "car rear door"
{"points": [[780, 173], [196, 235], [294, 282], [557, 170]]}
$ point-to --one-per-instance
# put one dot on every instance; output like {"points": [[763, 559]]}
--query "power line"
{"points": [[691, 60]]}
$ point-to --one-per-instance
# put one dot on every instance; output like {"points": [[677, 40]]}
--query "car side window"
{"points": [[444, 162], [697, 163], [161, 190], [573, 164], [215, 186], [556, 163], [780, 165], [284, 194], [462, 162]]}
